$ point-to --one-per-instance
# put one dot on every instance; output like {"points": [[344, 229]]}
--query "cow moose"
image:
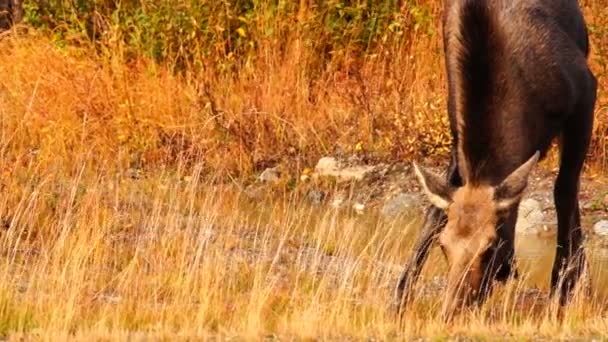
{"points": [[517, 79]]}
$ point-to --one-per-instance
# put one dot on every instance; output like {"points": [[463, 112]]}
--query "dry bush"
{"points": [[311, 81]]}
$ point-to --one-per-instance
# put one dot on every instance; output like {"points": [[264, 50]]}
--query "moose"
{"points": [[518, 79]]}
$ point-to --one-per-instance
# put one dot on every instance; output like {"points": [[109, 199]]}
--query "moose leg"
{"points": [[505, 252], [434, 221], [570, 257]]}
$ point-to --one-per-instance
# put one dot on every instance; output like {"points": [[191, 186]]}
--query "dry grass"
{"points": [[139, 115], [132, 113], [110, 257], [112, 226]]}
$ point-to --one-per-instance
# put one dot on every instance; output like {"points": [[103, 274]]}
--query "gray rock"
{"points": [[270, 175], [316, 197], [326, 164], [354, 172], [329, 166], [530, 219], [400, 203], [601, 228]]}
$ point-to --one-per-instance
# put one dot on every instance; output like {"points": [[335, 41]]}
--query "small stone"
{"points": [[337, 202], [316, 197], [326, 164], [270, 175], [530, 219], [359, 208], [330, 167], [601, 228], [354, 172]]}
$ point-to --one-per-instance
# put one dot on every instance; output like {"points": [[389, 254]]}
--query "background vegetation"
{"points": [[260, 81], [116, 117]]}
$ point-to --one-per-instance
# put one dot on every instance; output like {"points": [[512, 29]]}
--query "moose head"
{"points": [[470, 240]]}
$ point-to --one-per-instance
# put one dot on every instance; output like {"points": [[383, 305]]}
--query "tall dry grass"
{"points": [[104, 256], [310, 82], [282, 101], [140, 115]]}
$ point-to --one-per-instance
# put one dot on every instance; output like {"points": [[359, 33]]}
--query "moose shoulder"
{"points": [[517, 79]]}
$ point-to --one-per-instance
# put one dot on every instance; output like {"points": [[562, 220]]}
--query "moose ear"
{"points": [[512, 188], [435, 187]]}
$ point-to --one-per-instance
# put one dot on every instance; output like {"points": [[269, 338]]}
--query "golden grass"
{"points": [[74, 100], [108, 257]]}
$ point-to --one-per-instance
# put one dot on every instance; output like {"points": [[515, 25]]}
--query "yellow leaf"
{"points": [[359, 146], [241, 31]]}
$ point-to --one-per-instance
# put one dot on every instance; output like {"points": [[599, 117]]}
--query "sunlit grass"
{"points": [[164, 257]]}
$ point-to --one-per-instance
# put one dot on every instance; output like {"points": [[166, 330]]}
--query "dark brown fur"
{"points": [[517, 79]]}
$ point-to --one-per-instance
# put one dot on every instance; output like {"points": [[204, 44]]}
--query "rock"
{"points": [[315, 197], [336, 203], [530, 219], [354, 172], [329, 166], [378, 173], [601, 228], [326, 164], [270, 175], [400, 203], [359, 207]]}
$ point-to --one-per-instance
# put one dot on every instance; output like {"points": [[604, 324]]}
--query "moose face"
{"points": [[470, 240]]}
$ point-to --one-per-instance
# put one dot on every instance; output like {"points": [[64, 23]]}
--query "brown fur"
{"points": [[517, 78], [469, 233]]}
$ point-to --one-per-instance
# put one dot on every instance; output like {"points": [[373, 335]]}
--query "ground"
{"points": [[296, 256]]}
